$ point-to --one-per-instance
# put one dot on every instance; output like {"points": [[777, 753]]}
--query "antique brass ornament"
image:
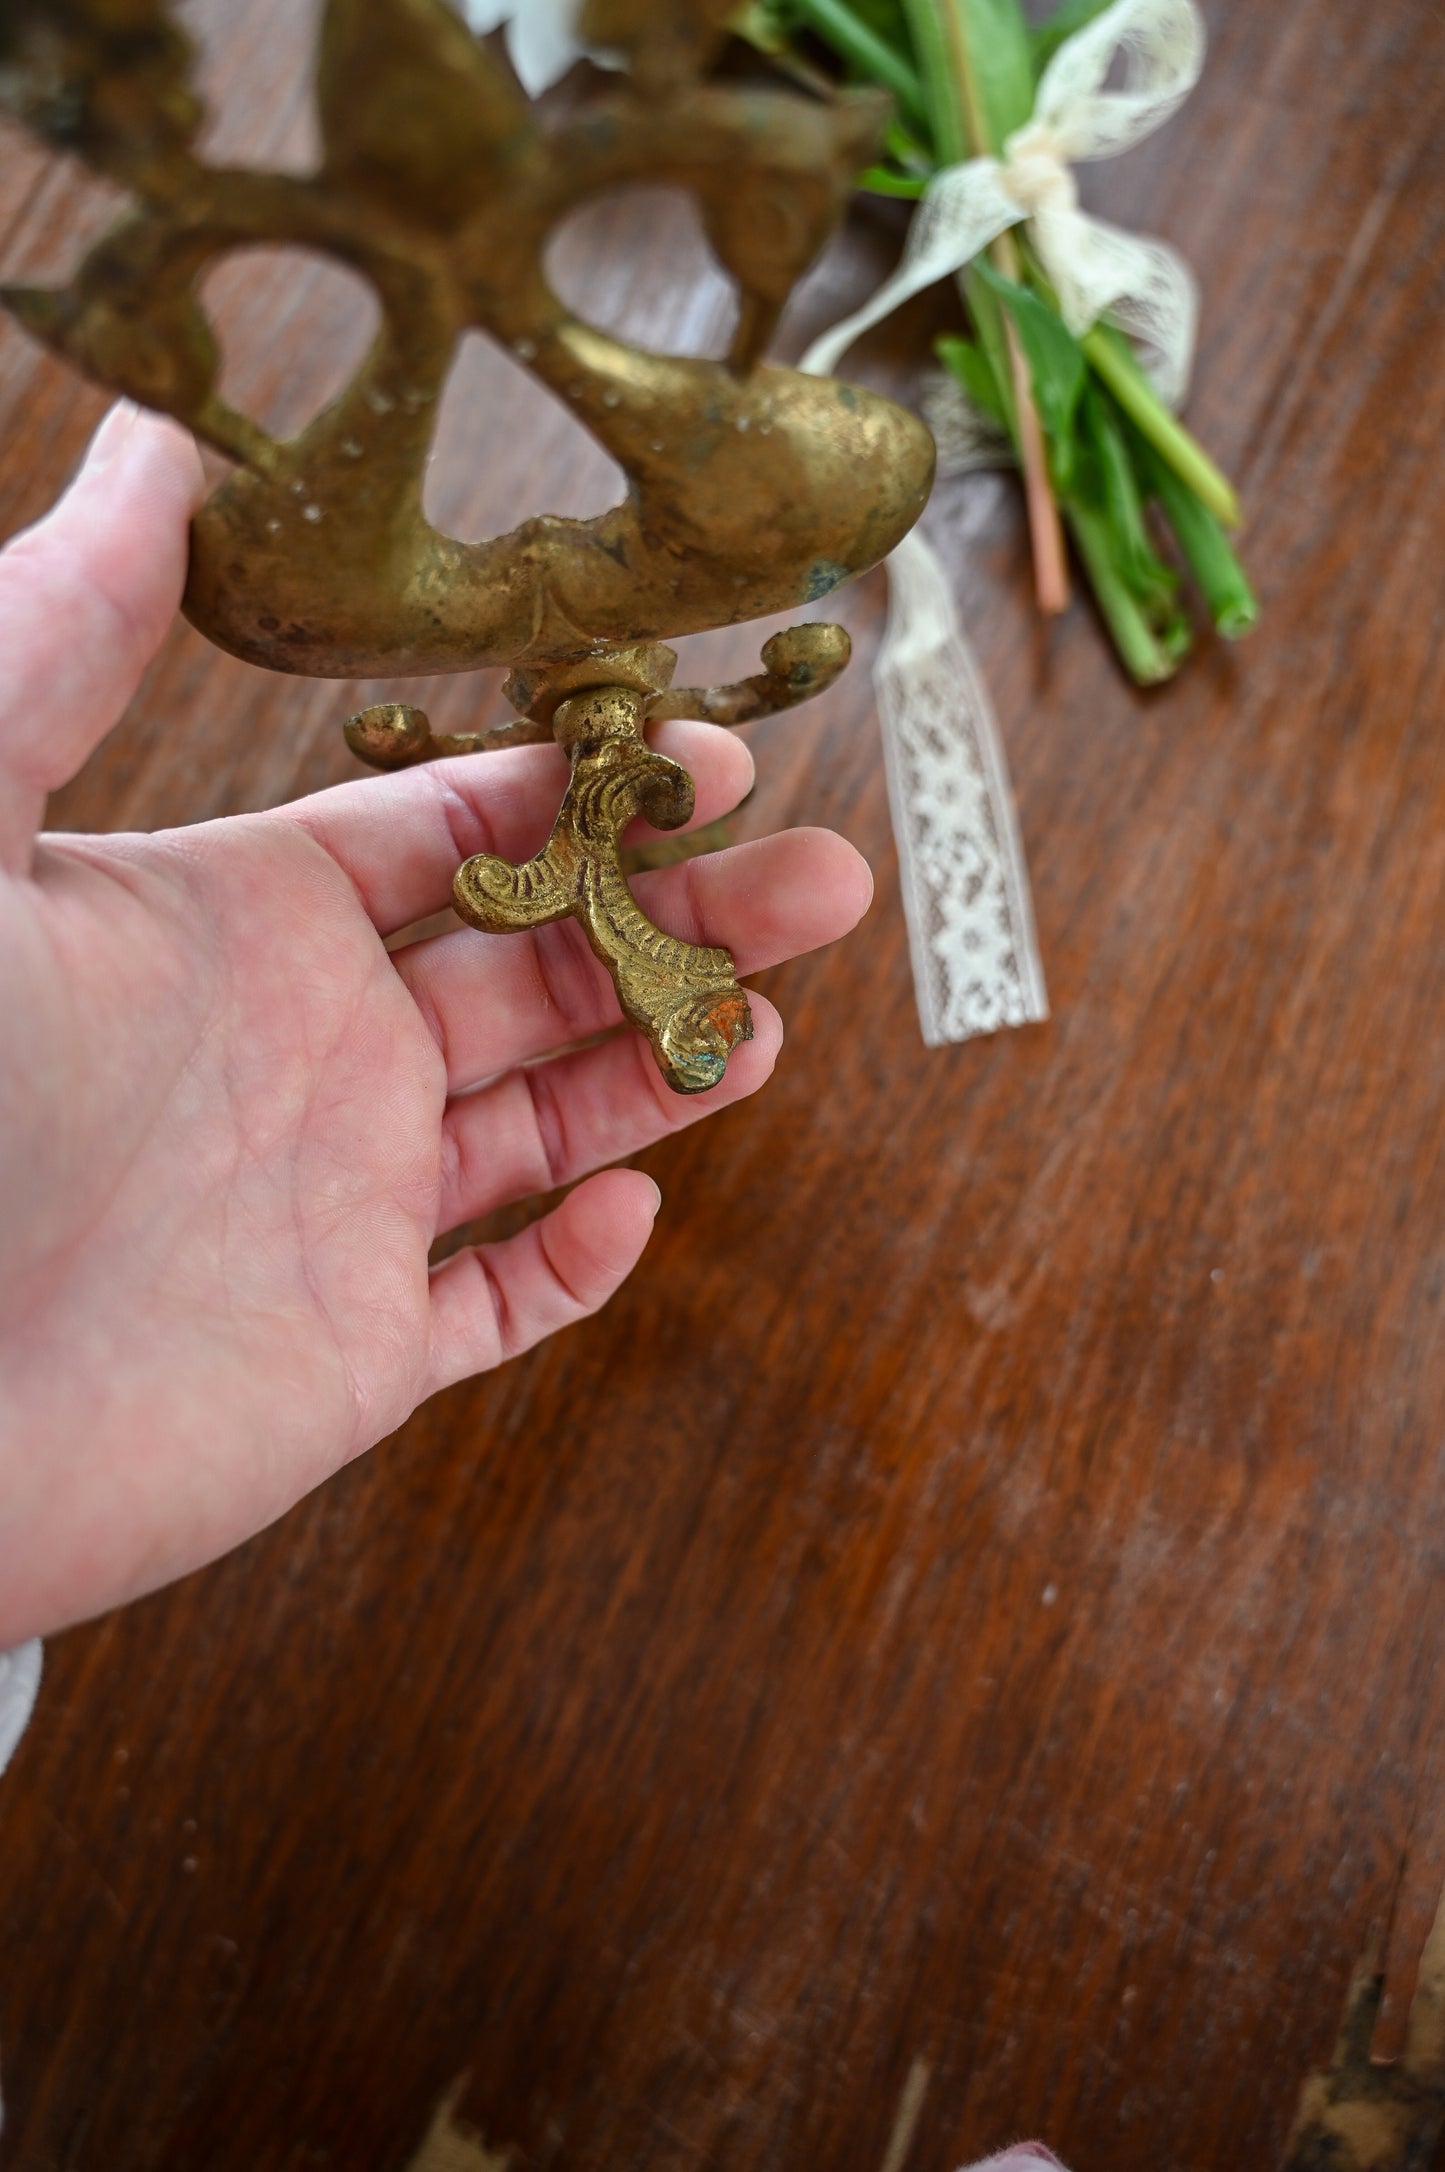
{"points": [[751, 489]]}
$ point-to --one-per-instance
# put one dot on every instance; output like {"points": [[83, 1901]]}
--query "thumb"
{"points": [[85, 597]]}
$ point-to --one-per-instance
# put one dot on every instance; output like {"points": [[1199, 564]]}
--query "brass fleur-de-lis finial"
{"points": [[751, 489]]}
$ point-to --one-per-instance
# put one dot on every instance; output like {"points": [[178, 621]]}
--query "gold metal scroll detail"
{"points": [[750, 489], [685, 999]]}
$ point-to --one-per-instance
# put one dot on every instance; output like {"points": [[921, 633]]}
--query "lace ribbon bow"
{"points": [[1093, 267]]}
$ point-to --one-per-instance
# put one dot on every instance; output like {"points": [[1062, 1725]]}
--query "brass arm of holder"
{"points": [[394, 735], [799, 662], [685, 998]]}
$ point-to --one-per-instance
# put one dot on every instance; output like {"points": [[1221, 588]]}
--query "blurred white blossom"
{"points": [[542, 40]]}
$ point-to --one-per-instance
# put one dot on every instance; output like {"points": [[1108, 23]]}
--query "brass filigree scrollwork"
{"points": [[751, 489]]}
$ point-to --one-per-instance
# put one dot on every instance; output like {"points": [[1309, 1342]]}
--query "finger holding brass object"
{"points": [[751, 489], [685, 998]]}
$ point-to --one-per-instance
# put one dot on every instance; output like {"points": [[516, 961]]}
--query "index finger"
{"points": [[85, 596]]}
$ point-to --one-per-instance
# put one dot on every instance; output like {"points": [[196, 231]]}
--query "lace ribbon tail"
{"points": [[960, 212], [1159, 309], [976, 963]]}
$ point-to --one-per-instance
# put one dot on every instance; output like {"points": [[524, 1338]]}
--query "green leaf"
{"points": [[1000, 62], [1047, 37], [878, 59], [888, 20], [907, 150], [1056, 365], [928, 29], [970, 365], [990, 324], [973, 61], [887, 181]]}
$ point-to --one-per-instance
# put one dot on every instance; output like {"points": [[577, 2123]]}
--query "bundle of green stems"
{"points": [[1101, 454]]}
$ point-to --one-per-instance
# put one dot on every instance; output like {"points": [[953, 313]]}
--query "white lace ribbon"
{"points": [[1094, 268], [976, 964]]}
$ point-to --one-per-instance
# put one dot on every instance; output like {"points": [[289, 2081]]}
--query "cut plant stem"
{"points": [[928, 21], [1145, 659], [1220, 575], [872, 56], [1051, 567], [961, 129], [1110, 354]]}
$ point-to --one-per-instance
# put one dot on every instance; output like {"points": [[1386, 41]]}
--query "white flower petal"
{"points": [[484, 15], [542, 41]]}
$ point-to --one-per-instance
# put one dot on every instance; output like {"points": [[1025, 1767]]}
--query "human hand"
{"points": [[232, 1124]]}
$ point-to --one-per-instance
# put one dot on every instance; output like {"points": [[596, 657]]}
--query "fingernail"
{"points": [[656, 1193], [113, 436]]}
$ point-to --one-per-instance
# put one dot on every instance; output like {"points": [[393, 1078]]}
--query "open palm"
{"points": [[232, 1123]]}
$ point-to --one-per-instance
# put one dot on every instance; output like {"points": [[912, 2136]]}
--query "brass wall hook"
{"points": [[686, 999]]}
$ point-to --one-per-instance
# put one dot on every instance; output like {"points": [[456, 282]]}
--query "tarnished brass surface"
{"points": [[751, 489], [394, 735], [799, 662], [685, 999]]}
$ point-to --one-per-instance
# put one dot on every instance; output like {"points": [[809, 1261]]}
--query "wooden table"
{"points": [[953, 1651]]}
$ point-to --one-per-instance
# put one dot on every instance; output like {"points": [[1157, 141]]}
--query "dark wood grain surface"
{"points": [[972, 1607]]}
